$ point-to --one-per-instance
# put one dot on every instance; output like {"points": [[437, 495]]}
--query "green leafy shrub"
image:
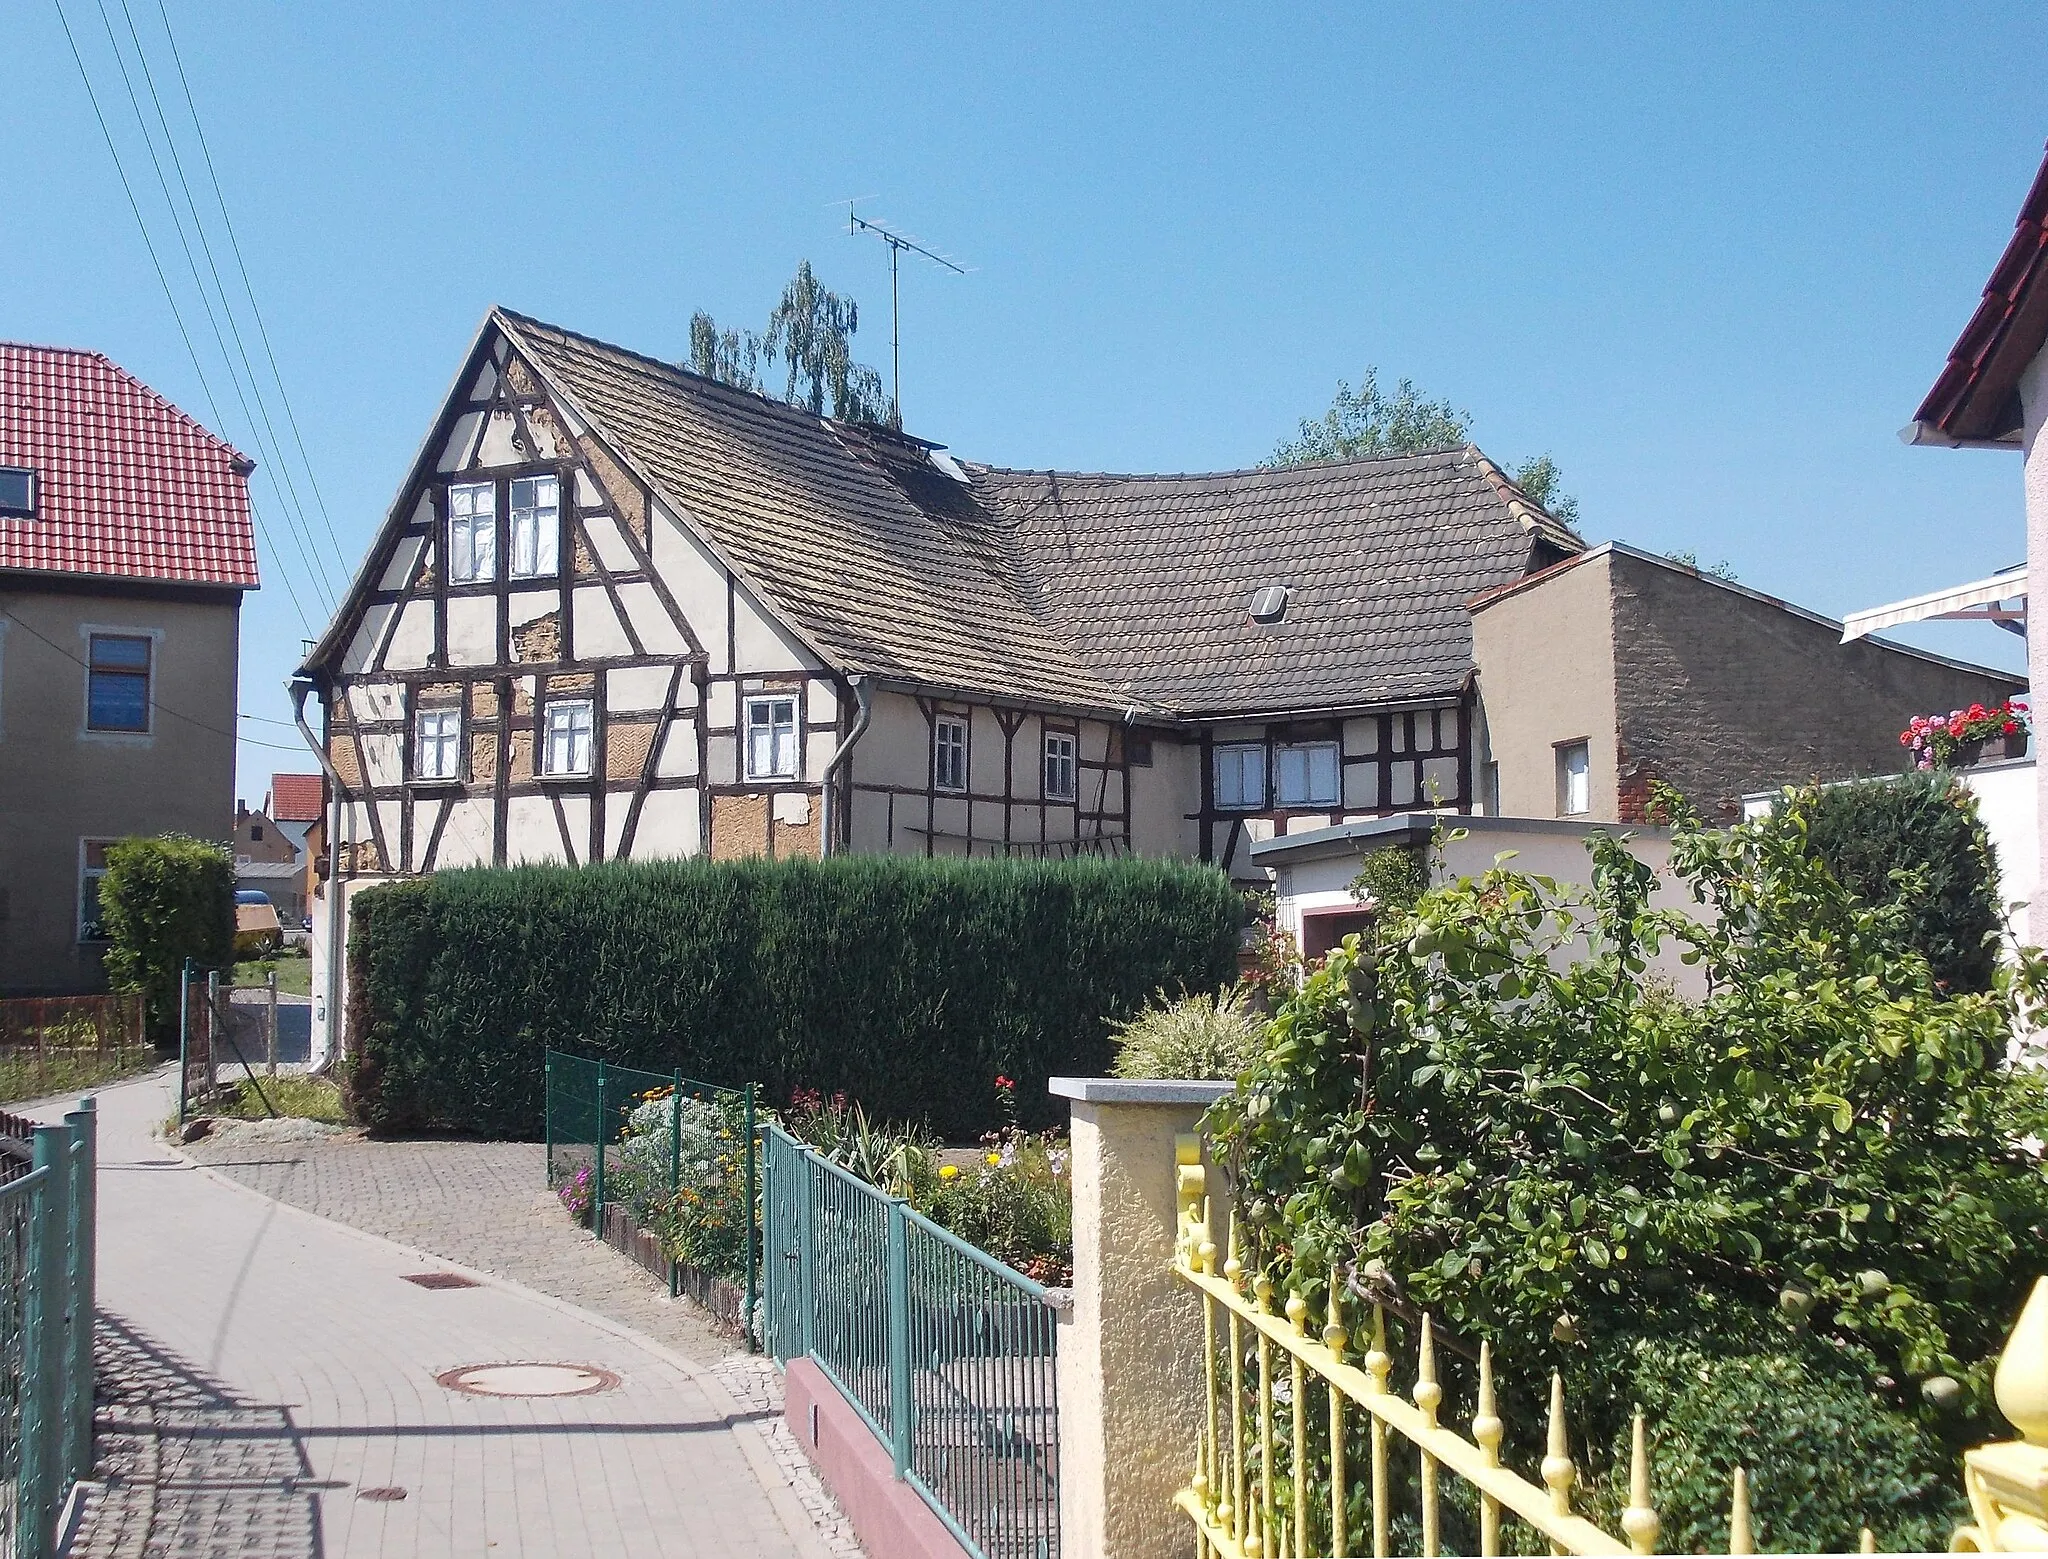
{"points": [[161, 902], [1916, 841], [907, 983], [1017, 1203], [1204, 1036], [1393, 877], [1502, 1127], [890, 1156]]}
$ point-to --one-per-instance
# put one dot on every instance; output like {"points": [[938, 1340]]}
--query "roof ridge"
{"points": [[1387, 459]]}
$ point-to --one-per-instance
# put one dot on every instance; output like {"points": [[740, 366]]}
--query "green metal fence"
{"points": [[588, 1106], [947, 1353], [47, 1215]]}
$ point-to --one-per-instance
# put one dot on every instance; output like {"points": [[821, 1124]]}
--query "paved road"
{"points": [[270, 1372]]}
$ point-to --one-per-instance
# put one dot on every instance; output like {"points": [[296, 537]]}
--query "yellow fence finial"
{"points": [[1379, 1363], [1739, 1539], [1866, 1541], [2008, 1482], [1557, 1469], [1487, 1427], [2021, 1384], [1427, 1392], [1639, 1520]]}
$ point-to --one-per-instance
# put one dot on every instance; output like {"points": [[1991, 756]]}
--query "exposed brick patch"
{"points": [[539, 640], [739, 827], [625, 493], [519, 378], [626, 749]]}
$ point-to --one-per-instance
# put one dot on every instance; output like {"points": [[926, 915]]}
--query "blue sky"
{"points": [[1709, 259]]}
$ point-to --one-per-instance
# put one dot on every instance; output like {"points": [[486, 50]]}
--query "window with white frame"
{"points": [[1059, 766], [92, 866], [771, 738], [1241, 776], [472, 532], [536, 526], [1306, 774], [18, 492], [566, 747], [437, 751], [1574, 779], [949, 753]]}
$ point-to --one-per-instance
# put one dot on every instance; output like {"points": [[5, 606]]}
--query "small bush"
{"points": [[907, 983], [1915, 842], [1393, 877], [163, 901], [1205, 1037]]}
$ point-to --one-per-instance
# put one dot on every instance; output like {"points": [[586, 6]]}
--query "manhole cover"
{"points": [[528, 1380], [440, 1280]]}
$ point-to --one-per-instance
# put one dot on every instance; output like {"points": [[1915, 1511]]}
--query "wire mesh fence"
{"points": [[47, 1218], [620, 1137], [949, 1354]]}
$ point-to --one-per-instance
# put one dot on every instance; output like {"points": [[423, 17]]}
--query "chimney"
{"points": [[241, 811]]}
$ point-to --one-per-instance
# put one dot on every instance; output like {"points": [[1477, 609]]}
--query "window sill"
{"points": [[435, 782], [581, 776], [789, 779]]}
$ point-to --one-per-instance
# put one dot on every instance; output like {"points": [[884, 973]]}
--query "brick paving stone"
{"points": [[264, 1368]]}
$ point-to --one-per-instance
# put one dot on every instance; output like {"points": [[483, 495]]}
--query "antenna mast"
{"points": [[897, 243]]}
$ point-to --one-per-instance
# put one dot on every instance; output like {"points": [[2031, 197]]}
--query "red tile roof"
{"points": [[128, 486], [1977, 396], [295, 798]]}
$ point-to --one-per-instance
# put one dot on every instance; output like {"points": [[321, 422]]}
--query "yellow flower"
{"points": [[995, 1160], [948, 1171]]}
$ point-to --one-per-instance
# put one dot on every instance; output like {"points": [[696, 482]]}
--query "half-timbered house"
{"points": [[620, 610]]}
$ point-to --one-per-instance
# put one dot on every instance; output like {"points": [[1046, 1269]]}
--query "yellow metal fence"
{"points": [[1256, 1436]]}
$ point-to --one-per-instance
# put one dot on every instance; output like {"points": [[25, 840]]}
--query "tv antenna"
{"points": [[856, 225]]}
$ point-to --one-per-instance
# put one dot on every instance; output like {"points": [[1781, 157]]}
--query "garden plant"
{"points": [[1792, 1218]]}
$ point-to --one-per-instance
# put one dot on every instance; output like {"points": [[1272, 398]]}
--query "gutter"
{"points": [[828, 802], [299, 688], [1928, 435]]}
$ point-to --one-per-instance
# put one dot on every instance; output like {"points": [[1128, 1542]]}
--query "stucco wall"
{"points": [[61, 784], [1720, 693], [2034, 400], [1546, 663]]}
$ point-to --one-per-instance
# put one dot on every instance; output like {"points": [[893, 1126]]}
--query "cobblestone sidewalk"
{"points": [[484, 1204]]}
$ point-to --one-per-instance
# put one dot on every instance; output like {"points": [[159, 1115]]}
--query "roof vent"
{"points": [[1270, 604]]}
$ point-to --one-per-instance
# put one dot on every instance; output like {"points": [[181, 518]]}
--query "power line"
{"points": [[262, 330], [317, 579], [169, 296], [279, 466]]}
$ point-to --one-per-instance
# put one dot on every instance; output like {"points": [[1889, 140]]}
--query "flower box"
{"points": [[1963, 737], [725, 1300]]}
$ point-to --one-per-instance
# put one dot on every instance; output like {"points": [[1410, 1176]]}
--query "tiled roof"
{"points": [[877, 583], [128, 486], [295, 798], [1154, 575], [1976, 398]]}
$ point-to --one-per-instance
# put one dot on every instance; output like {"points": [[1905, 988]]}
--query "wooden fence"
{"points": [[51, 1043]]}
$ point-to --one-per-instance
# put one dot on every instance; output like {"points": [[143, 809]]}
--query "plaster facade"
{"points": [[65, 787]]}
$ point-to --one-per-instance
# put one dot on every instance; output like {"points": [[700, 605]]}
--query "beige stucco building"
{"points": [[125, 547]]}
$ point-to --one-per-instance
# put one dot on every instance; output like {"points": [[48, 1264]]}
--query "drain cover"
{"points": [[528, 1380], [440, 1280], [381, 1494]]}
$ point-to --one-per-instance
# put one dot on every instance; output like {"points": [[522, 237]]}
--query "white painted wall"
{"points": [[2034, 401], [2009, 801]]}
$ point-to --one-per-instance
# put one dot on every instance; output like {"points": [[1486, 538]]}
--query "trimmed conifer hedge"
{"points": [[909, 984]]}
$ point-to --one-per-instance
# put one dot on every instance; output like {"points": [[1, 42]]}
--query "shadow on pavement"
{"points": [[189, 1466]]}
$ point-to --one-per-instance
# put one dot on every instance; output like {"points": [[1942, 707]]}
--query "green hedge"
{"points": [[1926, 826], [907, 983], [162, 901]]}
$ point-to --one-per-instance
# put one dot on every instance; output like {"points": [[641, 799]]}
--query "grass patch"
{"points": [[26, 1075], [294, 974], [307, 1098]]}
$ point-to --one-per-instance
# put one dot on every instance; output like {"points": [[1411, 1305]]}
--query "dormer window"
{"points": [[17, 493]]}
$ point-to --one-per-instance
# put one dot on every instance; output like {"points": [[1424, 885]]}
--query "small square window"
{"points": [[566, 748], [437, 754], [1240, 771], [1574, 779], [472, 532], [17, 493], [1306, 775], [536, 526], [117, 682], [1059, 766], [771, 738], [949, 753]]}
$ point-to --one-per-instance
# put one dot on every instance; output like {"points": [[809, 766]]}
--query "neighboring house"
{"points": [[1993, 394], [125, 548], [1677, 676], [620, 610], [267, 861], [298, 803]]}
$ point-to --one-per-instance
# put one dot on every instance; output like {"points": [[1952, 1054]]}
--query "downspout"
{"points": [[864, 699], [298, 691]]}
